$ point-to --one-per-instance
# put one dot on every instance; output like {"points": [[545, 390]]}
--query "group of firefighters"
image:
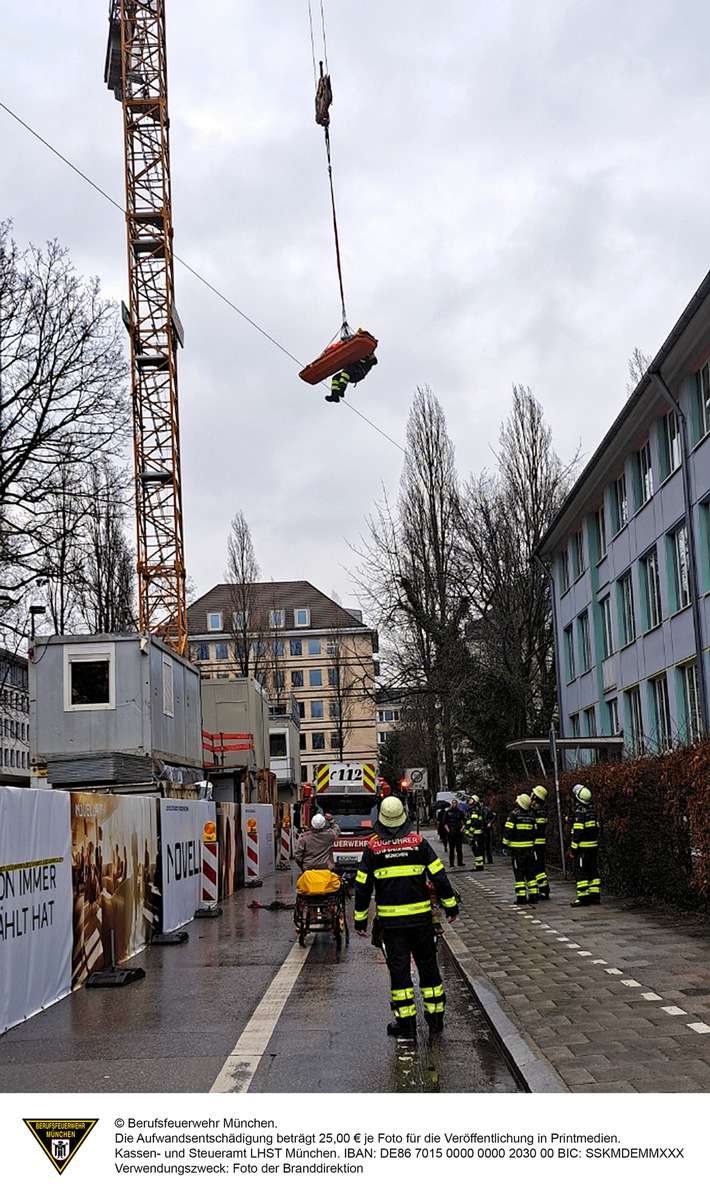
{"points": [[401, 867]]}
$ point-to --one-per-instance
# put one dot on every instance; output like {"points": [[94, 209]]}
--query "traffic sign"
{"points": [[418, 778]]}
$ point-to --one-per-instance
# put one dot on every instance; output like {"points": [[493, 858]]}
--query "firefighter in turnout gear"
{"points": [[519, 836], [475, 833], [585, 849], [539, 812], [398, 863], [352, 374]]}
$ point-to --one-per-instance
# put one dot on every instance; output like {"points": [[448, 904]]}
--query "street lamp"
{"points": [[35, 611]]}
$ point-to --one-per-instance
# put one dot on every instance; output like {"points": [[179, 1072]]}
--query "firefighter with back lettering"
{"points": [[397, 862], [519, 837]]}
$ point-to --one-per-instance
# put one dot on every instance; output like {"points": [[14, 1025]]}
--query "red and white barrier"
{"points": [[209, 874], [252, 850], [286, 843]]}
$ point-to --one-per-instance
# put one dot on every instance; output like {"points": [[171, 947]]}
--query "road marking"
{"points": [[673, 1010], [598, 961], [614, 972], [584, 954], [652, 997], [632, 984], [701, 1028], [574, 945], [237, 1072]]}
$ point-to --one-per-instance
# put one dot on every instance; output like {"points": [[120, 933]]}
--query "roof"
{"points": [[690, 333], [288, 595]]}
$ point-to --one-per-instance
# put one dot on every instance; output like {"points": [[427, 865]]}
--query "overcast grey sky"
{"points": [[522, 198]]}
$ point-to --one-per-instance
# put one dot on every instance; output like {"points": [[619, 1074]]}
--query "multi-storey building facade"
{"points": [[629, 554], [305, 650], [14, 719]]}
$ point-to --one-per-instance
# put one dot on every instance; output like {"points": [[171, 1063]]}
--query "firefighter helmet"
{"points": [[583, 795], [318, 822], [524, 801], [392, 812], [540, 792]]}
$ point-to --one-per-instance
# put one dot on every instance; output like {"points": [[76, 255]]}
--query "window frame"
{"points": [[652, 596], [95, 653], [627, 609]]}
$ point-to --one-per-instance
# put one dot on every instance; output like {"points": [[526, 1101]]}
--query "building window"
{"points": [[168, 688], [89, 678], [318, 740], [612, 710], [334, 677], [334, 710], [703, 409], [314, 646], [278, 748], [620, 509], [680, 587], [585, 648], [383, 736], [301, 709], [277, 649], [626, 610], [335, 740], [670, 443], [302, 742], [277, 618], [578, 553], [634, 720], [574, 721], [239, 620], [600, 532], [570, 664], [315, 678], [607, 627], [661, 712], [564, 570], [279, 680], [297, 680], [301, 617], [214, 621], [296, 647], [690, 702], [221, 650], [645, 474], [651, 586], [202, 651], [590, 722], [316, 709], [332, 647]]}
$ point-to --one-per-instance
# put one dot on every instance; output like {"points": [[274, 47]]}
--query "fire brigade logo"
{"points": [[60, 1138]]}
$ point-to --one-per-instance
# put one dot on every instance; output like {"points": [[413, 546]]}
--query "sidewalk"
{"points": [[608, 999]]}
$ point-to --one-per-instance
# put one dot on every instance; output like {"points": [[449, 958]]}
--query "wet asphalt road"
{"points": [[173, 1031]]}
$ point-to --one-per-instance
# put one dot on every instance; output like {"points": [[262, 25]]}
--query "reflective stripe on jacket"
{"points": [[585, 830], [519, 830], [398, 866]]}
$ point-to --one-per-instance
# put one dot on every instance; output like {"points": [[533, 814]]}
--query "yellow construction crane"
{"points": [[136, 73]]}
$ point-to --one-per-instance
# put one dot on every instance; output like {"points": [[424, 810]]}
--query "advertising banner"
{"points": [[258, 831], [35, 902], [181, 830], [117, 900], [231, 848]]}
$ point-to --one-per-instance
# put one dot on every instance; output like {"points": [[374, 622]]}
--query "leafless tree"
{"points": [[638, 363], [63, 399], [351, 681], [242, 573], [107, 567]]}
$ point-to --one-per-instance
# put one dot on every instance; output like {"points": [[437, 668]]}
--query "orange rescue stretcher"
{"points": [[338, 355]]}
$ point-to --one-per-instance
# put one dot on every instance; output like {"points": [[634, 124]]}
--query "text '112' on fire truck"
{"points": [[350, 792]]}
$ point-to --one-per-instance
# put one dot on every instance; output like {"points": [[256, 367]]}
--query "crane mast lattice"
{"points": [[136, 72]]}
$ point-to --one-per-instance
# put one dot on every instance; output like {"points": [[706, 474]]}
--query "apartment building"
{"points": [[306, 650], [629, 555], [14, 719]]}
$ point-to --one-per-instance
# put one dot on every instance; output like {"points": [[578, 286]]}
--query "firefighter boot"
{"points": [[435, 1023], [403, 1028], [580, 901]]}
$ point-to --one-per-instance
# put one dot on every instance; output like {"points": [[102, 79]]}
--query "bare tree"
{"points": [[351, 680], [638, 363], [107, 566], [242, 573], [63, 397], [410, 572]]}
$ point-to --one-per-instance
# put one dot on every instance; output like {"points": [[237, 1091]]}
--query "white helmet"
{"points": [[318, 822]]}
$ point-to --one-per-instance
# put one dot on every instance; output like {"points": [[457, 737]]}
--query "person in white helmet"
{"points": [[314, 848], [397, 864]]}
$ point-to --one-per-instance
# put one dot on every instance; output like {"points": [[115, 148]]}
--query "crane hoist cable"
{"points": [[350, 348]]}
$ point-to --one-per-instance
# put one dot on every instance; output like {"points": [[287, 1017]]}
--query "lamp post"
{"points": [[35, 611]]}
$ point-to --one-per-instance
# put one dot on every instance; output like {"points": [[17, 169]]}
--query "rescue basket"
{"points": [[338, 355]]}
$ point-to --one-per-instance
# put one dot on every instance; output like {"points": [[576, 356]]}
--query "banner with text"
{"points": [[35, 902], [181, 826]]}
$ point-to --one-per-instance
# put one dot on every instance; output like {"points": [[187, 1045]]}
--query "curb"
{"points": [[531, 1068]]}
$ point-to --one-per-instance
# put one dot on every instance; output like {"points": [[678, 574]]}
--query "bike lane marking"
{"points": [[237, 1072]]}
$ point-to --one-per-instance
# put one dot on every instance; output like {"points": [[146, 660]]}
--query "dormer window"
{"points": [[214, 621], [277, 619], [301, 617]]}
